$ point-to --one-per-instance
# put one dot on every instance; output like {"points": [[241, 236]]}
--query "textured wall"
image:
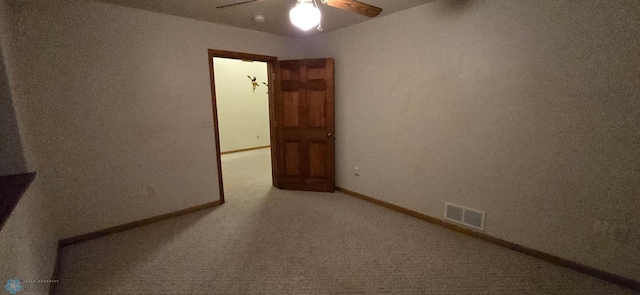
{"points": [[528, 110], [243, 114], [11, 156], [113, 99], [28, 241]]}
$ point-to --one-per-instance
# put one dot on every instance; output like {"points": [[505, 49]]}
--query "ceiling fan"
{"points": [[306, 14]]}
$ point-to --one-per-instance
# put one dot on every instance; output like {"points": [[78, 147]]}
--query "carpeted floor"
{"points": [[268, 241]]}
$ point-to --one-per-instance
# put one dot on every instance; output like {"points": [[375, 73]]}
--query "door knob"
{"points": [[329, 135]]}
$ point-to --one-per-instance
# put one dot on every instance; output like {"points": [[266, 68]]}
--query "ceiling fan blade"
{"points": [[356, 6], [234, 4]]}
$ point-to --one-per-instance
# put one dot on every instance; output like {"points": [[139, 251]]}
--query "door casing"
{"points": [[271, 63]]}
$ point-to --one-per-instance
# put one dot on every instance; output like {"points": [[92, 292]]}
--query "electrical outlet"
{"points": [[600, 228], [146, 191], [356, 171], [206, 123], [619, 233]]}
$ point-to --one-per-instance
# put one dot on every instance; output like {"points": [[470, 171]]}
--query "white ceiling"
{"points": [[276, 13]]}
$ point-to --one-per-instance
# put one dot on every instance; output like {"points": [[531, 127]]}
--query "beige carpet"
{"points": [[267, 241]]}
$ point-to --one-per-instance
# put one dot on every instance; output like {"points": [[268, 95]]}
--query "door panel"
{"points": [[317, 159], [292, 159], [317, 114], [291, 106], [305, 125]]}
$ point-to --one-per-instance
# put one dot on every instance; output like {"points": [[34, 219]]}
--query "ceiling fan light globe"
{"points": [[305, 16]]}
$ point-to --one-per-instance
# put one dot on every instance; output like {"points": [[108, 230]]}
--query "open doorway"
{"points": [[243, 116]]}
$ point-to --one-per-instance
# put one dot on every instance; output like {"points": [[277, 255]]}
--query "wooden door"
{"points": [[305, 146]]}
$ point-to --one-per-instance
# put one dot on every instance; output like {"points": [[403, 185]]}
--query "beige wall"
{"points": [[243, 114], [528, 110], [28, 241], [112, 99], [11, 157]]}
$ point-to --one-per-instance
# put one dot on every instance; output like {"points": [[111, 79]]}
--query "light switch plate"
{"points": [[151, 191]]}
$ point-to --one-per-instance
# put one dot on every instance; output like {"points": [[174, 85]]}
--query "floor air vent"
{"points": [[465, 216]]}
